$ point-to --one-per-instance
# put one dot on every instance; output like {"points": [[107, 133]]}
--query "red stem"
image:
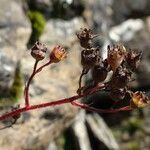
{"points": [[87, 107], [40, 68], [57, 102], [35, 71], [28, 84]]}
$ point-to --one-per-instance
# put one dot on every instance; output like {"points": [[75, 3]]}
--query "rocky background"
{"points": [[53, 22]]}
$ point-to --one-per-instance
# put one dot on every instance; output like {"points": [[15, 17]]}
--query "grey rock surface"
{"points": [[14, 33], [57, 81]]}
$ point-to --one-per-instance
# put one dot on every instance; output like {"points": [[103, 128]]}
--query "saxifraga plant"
{"points": [[121, 62]]}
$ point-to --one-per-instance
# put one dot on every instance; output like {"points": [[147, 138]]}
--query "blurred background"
{"points": [[53, 22]]}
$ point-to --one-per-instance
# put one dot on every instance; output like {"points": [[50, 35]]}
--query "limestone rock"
{"points": [[14, 34]]}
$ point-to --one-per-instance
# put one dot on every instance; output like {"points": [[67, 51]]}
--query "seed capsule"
{"points": [[138, 99], [99, 73], [120, 78], [133, 59], [89, 58], [116, 55], [85, 36], [58, 54], [38, 51]]}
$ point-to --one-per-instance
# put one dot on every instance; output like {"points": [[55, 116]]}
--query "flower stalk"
{"points": [[119, 61]]}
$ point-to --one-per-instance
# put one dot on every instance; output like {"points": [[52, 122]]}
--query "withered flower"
{"points": [[116, 55], [133, 59], [118, 94], [85, 36], [38, 51], [58, 53], [139, 100], [99, 73], [89, 58], [120, 78]]}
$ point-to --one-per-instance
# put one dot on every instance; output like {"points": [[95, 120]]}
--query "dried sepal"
{"points": [[58, 53], [85, 36], [139, 100], [133, 59], [116, 55], [38, 51], [120, 78], [89, 58]]}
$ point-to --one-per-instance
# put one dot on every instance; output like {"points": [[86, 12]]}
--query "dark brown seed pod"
{"points": [[118, 94], [99, 73], [133, 59], [116, 55], [38, 51], [85, 36], [120, 78], [89, 58]]}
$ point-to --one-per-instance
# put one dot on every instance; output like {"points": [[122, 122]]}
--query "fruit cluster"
{"points": [[120, 62]]}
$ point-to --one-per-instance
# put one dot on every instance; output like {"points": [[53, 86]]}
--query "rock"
{"points": [[125, 9], [80, 131], [101, 132], [55, 82], [64, 9], [132, 33], [89, 132], [52, 146], [126, 30], [14, 34]]}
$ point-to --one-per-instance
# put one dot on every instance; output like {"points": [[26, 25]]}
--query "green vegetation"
{"points": [[133, 146], [17, 87], [132, 125], [15, 92], [38, 23], [60, 141]]}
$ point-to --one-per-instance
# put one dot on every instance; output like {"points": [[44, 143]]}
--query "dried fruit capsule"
{"points": [[99, 73], [133, 59], [116, 55], [120, 78], [58, 54], [89, 58], [38, 51], [85, 36], [138, 99]]}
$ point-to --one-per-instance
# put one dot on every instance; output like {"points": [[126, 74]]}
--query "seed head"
{"points": [[120, 78], [85, 36], [116, 55], [133, 59], [38, 51], [139, 100], [58, 53], [89, 58], [99, 73]]}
